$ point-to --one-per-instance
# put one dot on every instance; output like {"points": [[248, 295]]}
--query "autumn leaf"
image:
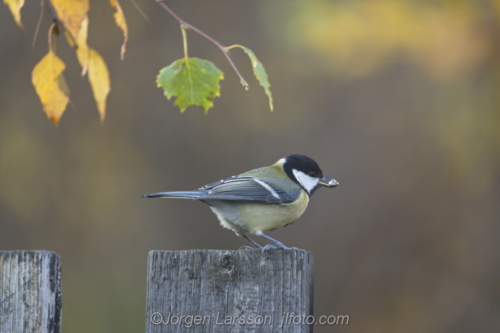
{"points": [[121, 23], [82, 51], [260, 73], [192, 81], [50, 86], [99, 81], [71, 13], [15, 8]]}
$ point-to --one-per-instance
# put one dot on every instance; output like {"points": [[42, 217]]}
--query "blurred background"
{"points": [[397, 99]]}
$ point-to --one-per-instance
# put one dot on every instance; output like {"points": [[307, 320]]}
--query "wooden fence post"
{"points": [[30, 292], [230, 291]]}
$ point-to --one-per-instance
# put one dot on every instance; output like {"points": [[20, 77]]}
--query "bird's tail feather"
{"points": [[176, 195]]}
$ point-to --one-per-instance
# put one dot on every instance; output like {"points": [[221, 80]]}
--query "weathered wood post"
{"points": [[230, 291], [30, 292]]}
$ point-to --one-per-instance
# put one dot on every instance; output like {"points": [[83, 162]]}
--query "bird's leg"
{"points": [[278, 244], [256, 246]]}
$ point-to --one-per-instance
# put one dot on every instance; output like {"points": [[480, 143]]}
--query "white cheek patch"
{"points": [[307, 182]]}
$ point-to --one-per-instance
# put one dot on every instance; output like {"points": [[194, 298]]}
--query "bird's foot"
{"points": [[269, 247], [274, 247], [244, 247], [278, 245]]}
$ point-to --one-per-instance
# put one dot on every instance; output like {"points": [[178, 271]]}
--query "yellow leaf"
{"points": [[15, 7], [71, 13], [50, 86], [121, 23], [99, 80], [82, 50], [69, 38]]}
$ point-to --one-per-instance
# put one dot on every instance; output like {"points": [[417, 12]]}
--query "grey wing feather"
{"points": [[246, 188], [176, 195], [222, 181]]}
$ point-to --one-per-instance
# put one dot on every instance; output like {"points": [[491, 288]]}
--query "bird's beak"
{"points": [[328, 181]]}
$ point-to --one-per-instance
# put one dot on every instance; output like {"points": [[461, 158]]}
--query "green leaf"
{"points": [[260, 73], [192, 81]]}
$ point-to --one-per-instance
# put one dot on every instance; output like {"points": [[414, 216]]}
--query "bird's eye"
{"points": [[311, 173]]}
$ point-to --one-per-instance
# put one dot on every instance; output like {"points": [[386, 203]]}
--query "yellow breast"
{"points": [[248, 218]]}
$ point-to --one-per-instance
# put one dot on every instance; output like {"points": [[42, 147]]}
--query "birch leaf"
{"points": [[121, 23], [99, 81], [192, 81], [82, 50], [15, 8], [50, 86], [71, 13], [260, 73]]}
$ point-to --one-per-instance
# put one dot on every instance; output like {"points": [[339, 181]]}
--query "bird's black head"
{"points": [[306, 172]]}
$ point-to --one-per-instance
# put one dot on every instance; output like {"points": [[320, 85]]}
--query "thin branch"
{"points": [[51, 32], [60, 25], [201, 33], [53, 12], [144, 15], [38, 25]]}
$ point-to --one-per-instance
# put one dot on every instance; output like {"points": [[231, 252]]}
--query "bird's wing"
{"points": [[247, 188]]}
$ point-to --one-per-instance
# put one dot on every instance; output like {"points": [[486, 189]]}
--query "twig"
{"points": [[53, 12], [60, 24], [38, 26], [201, 33], [51, 31], [144, 15]]}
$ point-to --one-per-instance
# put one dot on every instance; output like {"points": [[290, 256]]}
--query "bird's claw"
{"points": [[244, 247], [269, 247], [274, 247]]}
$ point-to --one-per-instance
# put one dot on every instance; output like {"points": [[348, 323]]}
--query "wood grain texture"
{"points": [[30, 292], [229, 291]]}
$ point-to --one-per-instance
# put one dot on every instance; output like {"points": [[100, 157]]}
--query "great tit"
{"points": [[261, 199]]}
